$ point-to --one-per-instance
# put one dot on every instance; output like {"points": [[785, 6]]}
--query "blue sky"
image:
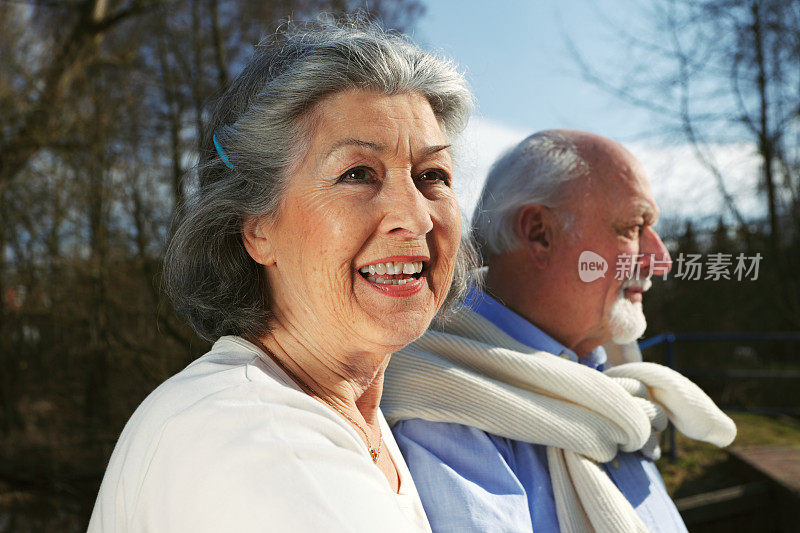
{"points": [[518, 64], [517, 61]]}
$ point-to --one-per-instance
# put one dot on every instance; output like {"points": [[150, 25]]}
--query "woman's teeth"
{"points": [[393, 267], [375, 272], [389, 281]]}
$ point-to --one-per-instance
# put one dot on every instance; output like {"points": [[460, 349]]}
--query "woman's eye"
{"points": [[358, 174], [435, 175]]}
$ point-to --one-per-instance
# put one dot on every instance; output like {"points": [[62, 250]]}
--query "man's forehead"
{"points": [[621, 194], [633, 194], [623, 173], [616, 183]]}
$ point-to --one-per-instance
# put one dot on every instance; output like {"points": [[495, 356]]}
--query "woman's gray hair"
{"points": [[262, 122], [533, 172]]}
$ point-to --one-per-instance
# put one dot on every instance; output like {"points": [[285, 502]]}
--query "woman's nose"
{"points": [[406, 210]]}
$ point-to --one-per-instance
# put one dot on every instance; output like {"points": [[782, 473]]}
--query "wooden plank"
{"points": [[779, 463], [726, 503]]}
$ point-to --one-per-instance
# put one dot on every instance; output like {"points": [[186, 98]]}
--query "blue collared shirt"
{"points": [[470, 480]]}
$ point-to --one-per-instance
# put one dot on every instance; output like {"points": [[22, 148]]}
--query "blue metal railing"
{"points": [[673, 337]]}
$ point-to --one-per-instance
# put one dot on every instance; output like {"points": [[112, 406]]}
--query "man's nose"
{"points": [[656, 260], [406, 210]]}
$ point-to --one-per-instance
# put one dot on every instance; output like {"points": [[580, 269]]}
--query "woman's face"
{"points": [[372, 193]]}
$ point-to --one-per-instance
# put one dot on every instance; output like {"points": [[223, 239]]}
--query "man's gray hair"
{"points": [[536, 171], [263, 123]]}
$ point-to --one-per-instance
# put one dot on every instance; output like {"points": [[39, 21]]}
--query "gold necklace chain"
{"points": [[373, 452]]}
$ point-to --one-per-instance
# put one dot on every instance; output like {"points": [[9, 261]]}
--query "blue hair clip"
{"points": [[221, 151]]}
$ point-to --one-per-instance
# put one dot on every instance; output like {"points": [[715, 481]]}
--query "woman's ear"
{"points": [[533, 227], [257, 241]]}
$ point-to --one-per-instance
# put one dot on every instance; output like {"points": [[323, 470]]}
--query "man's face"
{"points": [[612, 214]]}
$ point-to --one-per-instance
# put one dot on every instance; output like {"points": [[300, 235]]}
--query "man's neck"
{"points": [[520, 291]]}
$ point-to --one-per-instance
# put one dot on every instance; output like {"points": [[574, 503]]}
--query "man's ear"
{"points": [[533, 227], [255, 236]]}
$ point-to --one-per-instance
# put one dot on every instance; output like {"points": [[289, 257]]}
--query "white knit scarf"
{"points": [[472, 373]]}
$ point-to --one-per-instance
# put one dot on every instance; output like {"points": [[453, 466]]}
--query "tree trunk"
{"points": [[197, 74], [174, 113], [766, 146], [96, 399], [219, 46]]}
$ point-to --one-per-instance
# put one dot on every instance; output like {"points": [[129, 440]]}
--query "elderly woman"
{"points": [[324, 237]]}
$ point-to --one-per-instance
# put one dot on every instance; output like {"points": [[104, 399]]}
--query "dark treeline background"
{"points": [[101, 102]]}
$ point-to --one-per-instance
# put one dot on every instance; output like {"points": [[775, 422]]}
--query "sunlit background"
{"points": [[101, 102]]}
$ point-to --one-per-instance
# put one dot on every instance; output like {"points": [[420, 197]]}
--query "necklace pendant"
{"points": [[374, 454]]}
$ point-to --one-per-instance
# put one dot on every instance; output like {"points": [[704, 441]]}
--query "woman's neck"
{"points": [[350, 381]]}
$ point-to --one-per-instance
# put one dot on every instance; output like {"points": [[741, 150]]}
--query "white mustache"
{"points": [[636, 283]]}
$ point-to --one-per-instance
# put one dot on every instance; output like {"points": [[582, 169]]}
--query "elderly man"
{"points": [[502, 415]]}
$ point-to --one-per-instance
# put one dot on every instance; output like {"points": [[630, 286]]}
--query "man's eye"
{"points": [[435, 175], [358, 174], [635, 230]]}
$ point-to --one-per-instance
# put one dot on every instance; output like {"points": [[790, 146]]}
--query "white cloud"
{"points": [[684, 188], [681, 185], [481, 144]]}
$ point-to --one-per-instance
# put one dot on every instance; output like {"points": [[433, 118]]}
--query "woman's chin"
{"points": [[397, 320], [401, 330]]}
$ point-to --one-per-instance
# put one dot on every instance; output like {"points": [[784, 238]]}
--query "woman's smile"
{"points": [[396, 276]]}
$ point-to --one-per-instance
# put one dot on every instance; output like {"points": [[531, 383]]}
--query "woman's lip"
{"points": [[413, 286], [401, 258]]}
